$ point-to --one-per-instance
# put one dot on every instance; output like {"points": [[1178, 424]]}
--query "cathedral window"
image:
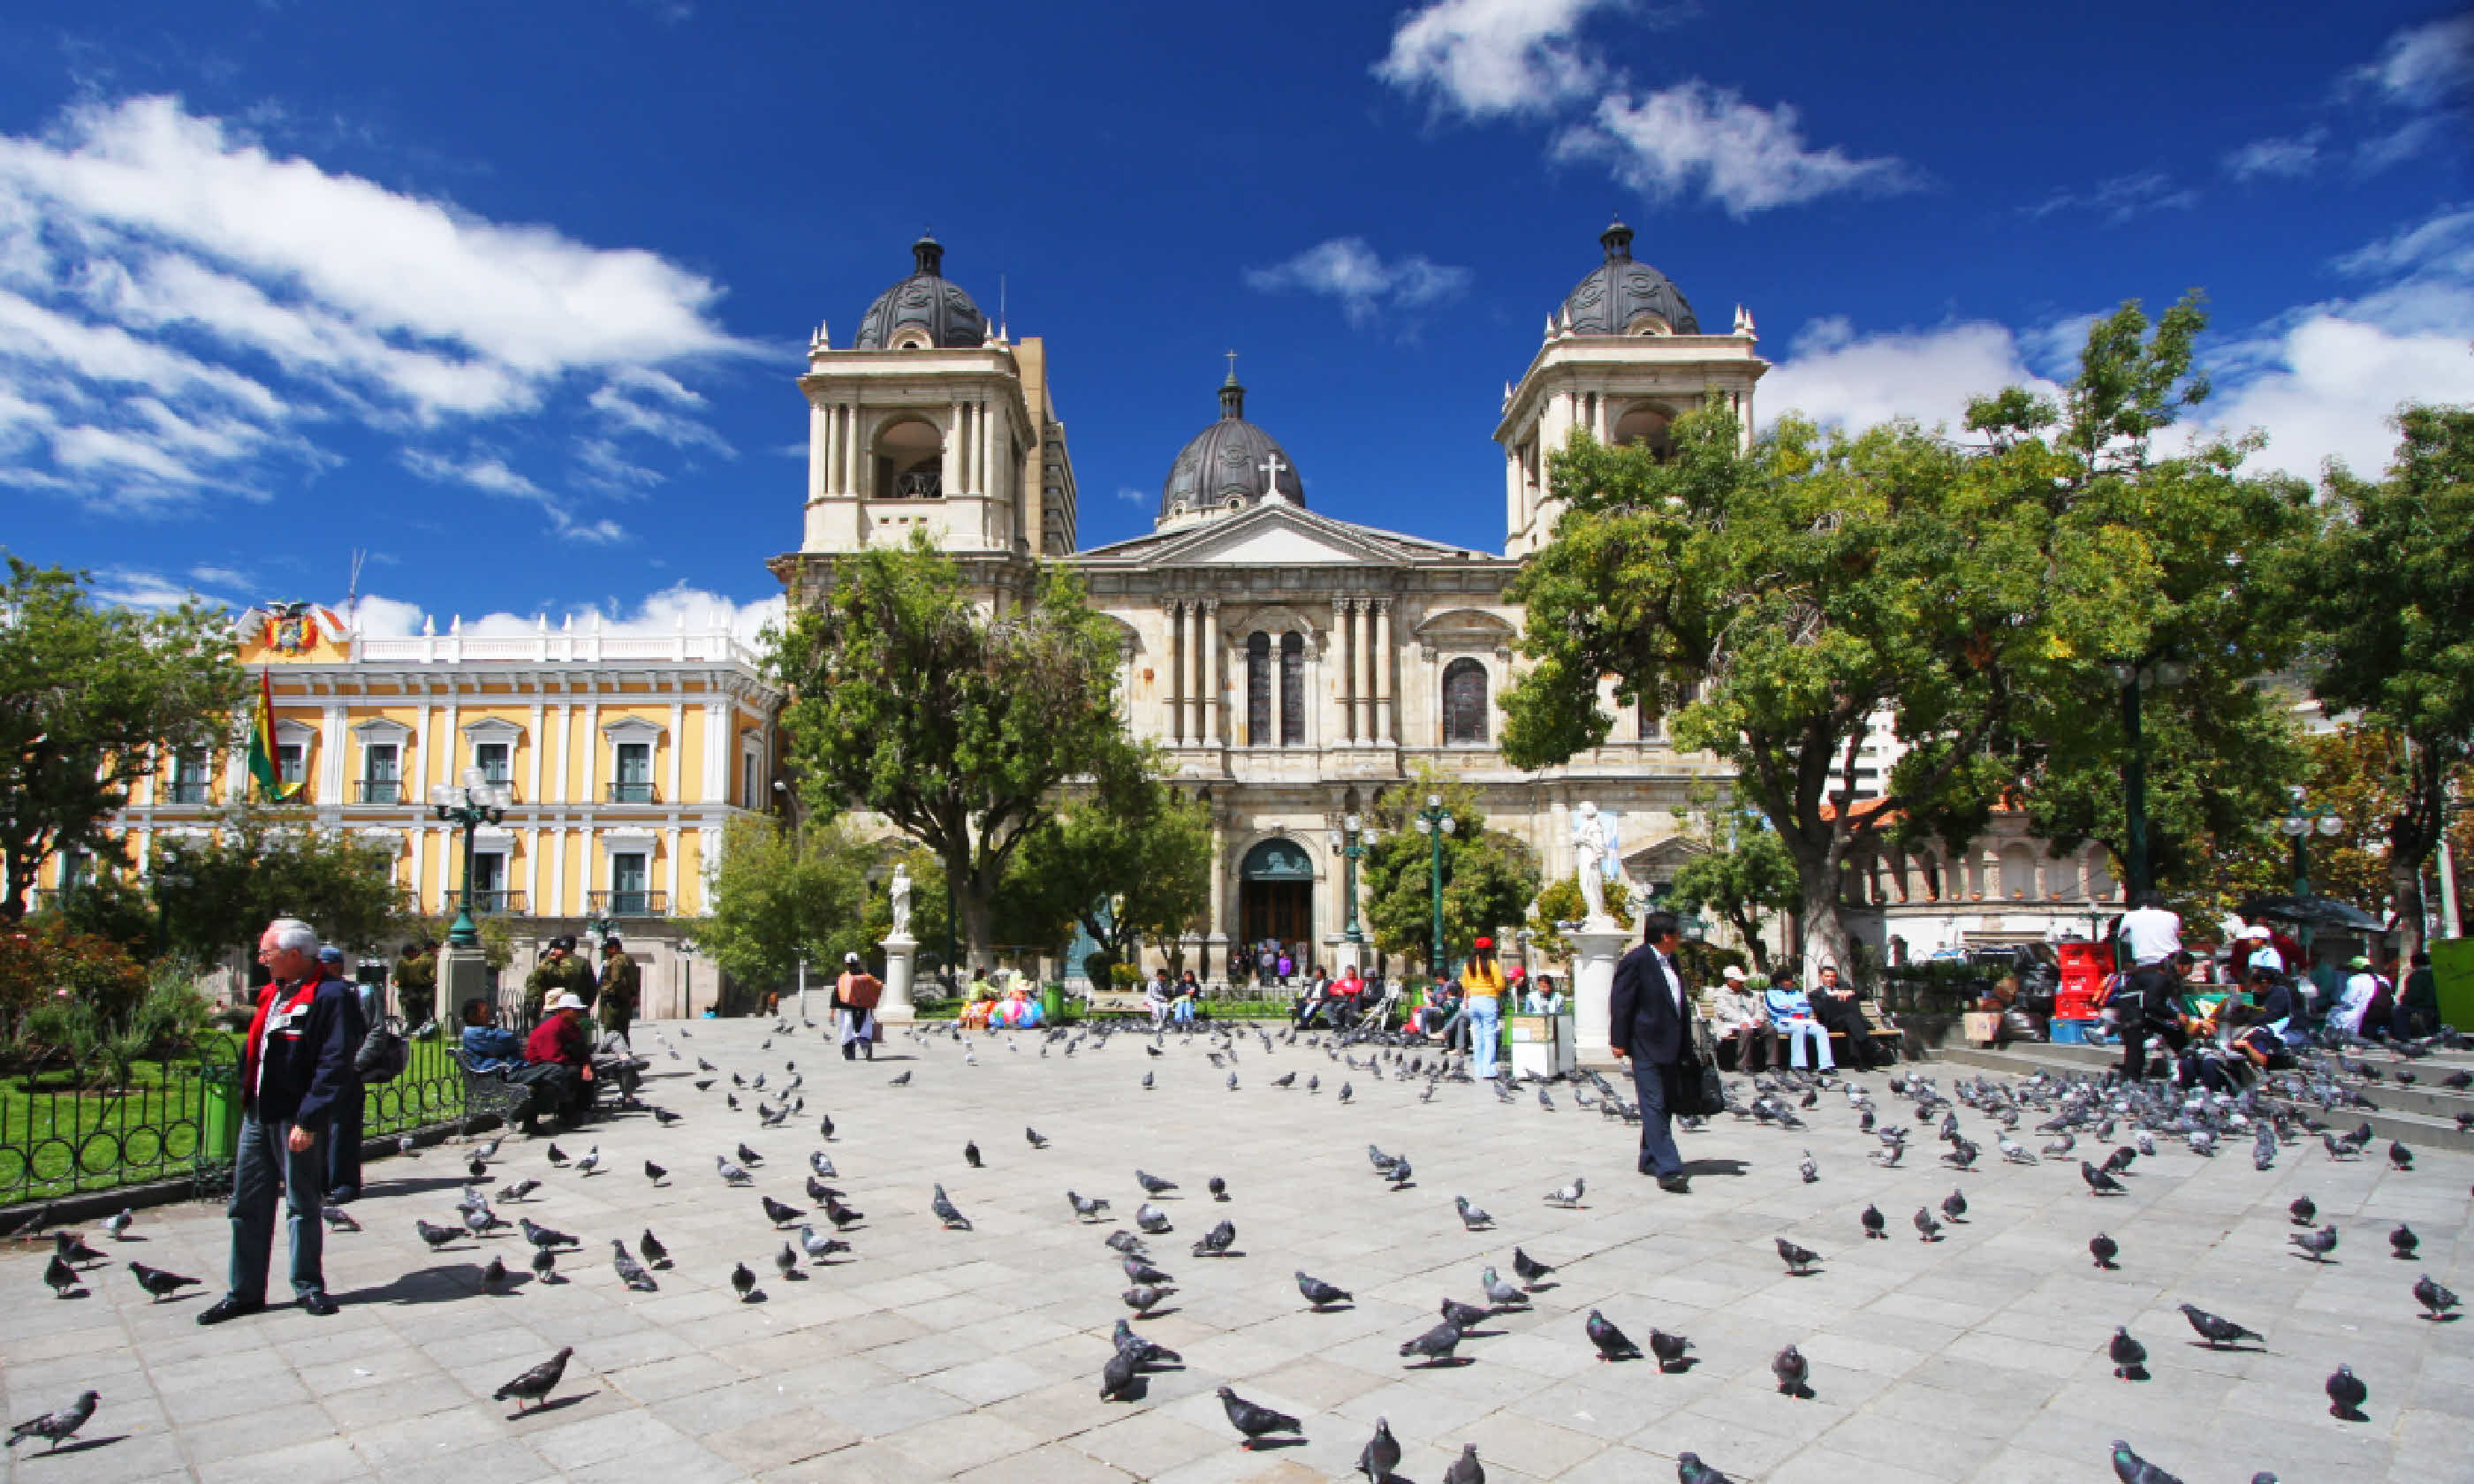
{"points": [[1465, 704], [1258, 689], [909, 460], [1646, 423], [1293, 689]]}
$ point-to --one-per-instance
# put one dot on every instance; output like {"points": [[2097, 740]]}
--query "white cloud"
{"points": [[1133, 496], [1346, 269], [657, 614], [149, 590], [491, 474], [255, 296], [2334, 383], [1745, 158], [1484, 57], [2277, 158], [2120, 199], [2423, 66], [218, 576], [1837, 378]]}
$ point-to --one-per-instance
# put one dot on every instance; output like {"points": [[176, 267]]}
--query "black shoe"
{"points": [[1675, 1184], [229, 1306], [343, 1197], [317, 1304]]}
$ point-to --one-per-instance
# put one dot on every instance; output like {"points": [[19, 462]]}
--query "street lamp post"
{"points": [[1351, 843], [2297, 827], [1435, 821], [472, 804], [2133, 677]]}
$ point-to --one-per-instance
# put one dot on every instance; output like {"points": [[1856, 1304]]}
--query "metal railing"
{"points": [[509, 904], [190, 791], [631, 793], [628, 904], [377, 791]]}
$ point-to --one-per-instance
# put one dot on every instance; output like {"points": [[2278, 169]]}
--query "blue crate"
{"points": [[2071, 1033]]}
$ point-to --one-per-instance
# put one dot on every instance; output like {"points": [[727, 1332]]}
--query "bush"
{"points": [[1561, 901], [1125, 976], [52, 965]]}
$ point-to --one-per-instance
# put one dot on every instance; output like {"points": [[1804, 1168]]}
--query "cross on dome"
{"points": [[1272, 468]]}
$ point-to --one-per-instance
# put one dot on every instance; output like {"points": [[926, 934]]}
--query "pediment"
{"points": [[1275, 536]]}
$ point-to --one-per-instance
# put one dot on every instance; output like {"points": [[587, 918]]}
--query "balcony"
{"points": [[627, 904], [631, 793], [491, 905], [377, 791], [190, 791]]}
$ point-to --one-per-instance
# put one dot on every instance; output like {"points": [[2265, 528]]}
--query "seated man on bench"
{"points": [[561, 1041], [1835, 1006], [487, 1049]]}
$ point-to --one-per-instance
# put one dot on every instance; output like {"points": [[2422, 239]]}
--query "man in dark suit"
{"points": [[1645, 1024]]}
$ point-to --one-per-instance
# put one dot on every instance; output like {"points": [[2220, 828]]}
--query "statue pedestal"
{"points": [[462, 973], [894, 1006], [1594, 952]]}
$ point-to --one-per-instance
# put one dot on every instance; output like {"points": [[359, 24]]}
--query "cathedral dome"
{"points": [[1622, 297], [921, 311], [1225, 465]]}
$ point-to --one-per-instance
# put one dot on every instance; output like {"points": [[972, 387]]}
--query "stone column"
{"points": [[894, 1006], [1383, 670], [983, 484], [820, 450], [1192, 727], [1217, 940], [953, 463], [1594, 954], [1212, 736]]}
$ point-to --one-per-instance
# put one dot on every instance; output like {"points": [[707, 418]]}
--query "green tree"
{"points": [[1744, 875], [781, 893], [957, 726], [1488, 877], [93, 698], [1559, 902], [2385, 590], [217, 894], [1128, 871]]}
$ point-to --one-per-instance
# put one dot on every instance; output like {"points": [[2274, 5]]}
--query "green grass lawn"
{"points": [[56, 1139]]}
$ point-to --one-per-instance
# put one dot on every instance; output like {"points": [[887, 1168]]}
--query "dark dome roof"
{"points": [[1225, 461], [926, 299], [1620, 290]]}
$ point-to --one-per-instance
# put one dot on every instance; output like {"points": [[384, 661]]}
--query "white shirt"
{"points": [[2154, 934], [1674, 980], [2360, 990]]}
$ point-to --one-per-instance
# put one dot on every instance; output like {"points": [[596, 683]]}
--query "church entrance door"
{"points": [[1275, 896]]}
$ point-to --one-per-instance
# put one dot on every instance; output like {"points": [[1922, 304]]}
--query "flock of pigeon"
{"points": [[2132, 1121]]}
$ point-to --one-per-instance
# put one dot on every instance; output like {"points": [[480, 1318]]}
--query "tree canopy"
{"points": [[781, 893], [1744, 875], [217, 893], [1489, 875], [955, 725], [93, 698], [1130, 868]]}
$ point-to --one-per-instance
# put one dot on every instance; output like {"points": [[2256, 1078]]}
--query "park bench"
{"points": [[489, 1094], [1117, 1002]]}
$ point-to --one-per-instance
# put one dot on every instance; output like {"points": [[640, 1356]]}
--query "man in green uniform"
{"points": [[559, 973], [622, 987], [416, 983]]}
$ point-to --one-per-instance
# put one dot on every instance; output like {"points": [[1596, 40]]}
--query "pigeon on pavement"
{"points": [[159, 1282], [2316, 1245], [1612, 1343], [1670, 1349], [2347, 1394], [2434, 1300], [2217, 1331], [1529, 1268], [2131, 1468], [57, 1427], [1255, 1421], [1322, 1295], [2130, 1357], [2103, 1249], [630, 1272], [1799, 1260], [1381, 1453], [1690, 1470], [1793, 1371], [536, 1384], [946, 1213]]}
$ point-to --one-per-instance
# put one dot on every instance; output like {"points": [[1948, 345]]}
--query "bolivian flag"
{"points": [[261, 746]]}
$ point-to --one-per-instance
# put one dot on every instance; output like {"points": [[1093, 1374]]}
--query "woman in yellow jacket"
{"points": [[1482, 982]]}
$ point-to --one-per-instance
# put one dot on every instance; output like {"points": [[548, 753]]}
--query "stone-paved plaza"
{"points": [[933, 1353]]}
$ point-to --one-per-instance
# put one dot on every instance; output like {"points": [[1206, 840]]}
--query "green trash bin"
{"points": [[1052, 1004], [218, 1114]]}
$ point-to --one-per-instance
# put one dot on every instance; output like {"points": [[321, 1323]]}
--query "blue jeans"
{"points": [[1795, 1032], [1658, 1154], [1181, 1009], [263, 1154], [1486, 1031]]}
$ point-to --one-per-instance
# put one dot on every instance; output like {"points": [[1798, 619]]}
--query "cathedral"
{"points": [[1288, 663]]}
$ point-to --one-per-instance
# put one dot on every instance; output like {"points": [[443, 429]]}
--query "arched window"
{"points": [[1293, 689], [1464, 703], [909, 460], [1258, 689], [1645, 423]]}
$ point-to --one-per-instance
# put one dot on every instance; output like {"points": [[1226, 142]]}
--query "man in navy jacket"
{"points": [[296, 1071], [1646, 1018]]}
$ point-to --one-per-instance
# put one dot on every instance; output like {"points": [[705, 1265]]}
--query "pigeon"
{"points": [[536, 1384], [1127, 1242], [2130, 1357], [554, 1154], [436, 1236], [1218, 1188], [2434, 1300], [73, 1247], [780, 1214], [1087, 1208], [731, 1174], [1670, 1349], [544, 1236], [2316, 1245], [1152, 1219], [2402, 1242], [1809, 1170], [1500, 1294], [116, 1225], [2131, 1468], [971, 1153], [1953, 1208], [1872, 1223], [1401, 1173], [901, 1080], [1255, 1421], [1690, 1470], [1462, 1316], [1436, 1344], [842, 1216], [545, 1264], [747, 1156], [2400, 1157], [1927, 1228], [1799, 1260], [515, 1191], [1148, 1082], [2098, 1183], [2346, 1394], [1117, 1377], [630, 1272], [2217, 1331], [1216, 1241], [338, 1219], [159, 1282], [1529, 1268], [743, 1280], [1567, 1196], [1611, 1342], [818, 1248], [655, 1173], [1033, 1138], [58, 1427], [1153, 1184], [2103, 1249], [1470, 1216], [820, 1166], [496, 1274], [1143, 1297], [591, 1161], [665, 1118], [1144, 1352], [1381, 1453], [1793, 1371], [1138, 1271], [1322, 1295]]}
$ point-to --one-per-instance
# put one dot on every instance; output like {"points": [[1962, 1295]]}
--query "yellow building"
{"points": [[626, 754]]}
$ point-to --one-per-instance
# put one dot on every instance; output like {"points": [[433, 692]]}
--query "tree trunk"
{"points": [[2405, 892], [1825, 935]]}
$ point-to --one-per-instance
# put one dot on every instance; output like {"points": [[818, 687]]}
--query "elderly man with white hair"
{"points": [[296, 1072]]}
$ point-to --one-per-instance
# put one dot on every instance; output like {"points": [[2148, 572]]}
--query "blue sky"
{"points": [[510, 297]]}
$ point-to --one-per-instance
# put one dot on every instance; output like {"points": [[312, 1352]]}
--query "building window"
{"points": [[192, 778], [634, 783], [1258, 689], [491, 758], [750, 781], [627, 875], [1465, 704], [382, 781], [291, 763], [1293, 689]]}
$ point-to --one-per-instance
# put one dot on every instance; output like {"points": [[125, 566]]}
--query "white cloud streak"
{"points": [[658, 613], [2276, 158], [1481, 59], [1836, 379], [1745, 158], [1348, 270], [2121, 197]]}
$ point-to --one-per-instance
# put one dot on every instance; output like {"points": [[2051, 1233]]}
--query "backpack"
{"points": [[383, 1052]]}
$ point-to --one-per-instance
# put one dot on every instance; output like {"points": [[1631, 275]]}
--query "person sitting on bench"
{"points": [[1790, 1015], [1835, 1006]]}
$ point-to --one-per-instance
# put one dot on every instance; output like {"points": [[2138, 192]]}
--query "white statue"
{"points": [[900, 902], [1593, 860]]}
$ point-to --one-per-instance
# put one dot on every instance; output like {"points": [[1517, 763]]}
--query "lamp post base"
{"points": [[463, 975], [893, 1007]]}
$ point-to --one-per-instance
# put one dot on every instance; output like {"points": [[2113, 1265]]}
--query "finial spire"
{"points": [[1232, 394], [928, 254], [1617, 239]]}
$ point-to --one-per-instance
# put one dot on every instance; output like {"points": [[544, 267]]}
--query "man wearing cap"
{"points": [[2356, 1013], [855, 995], [621, 986], [343, 1139], [1482, 983], [561, 1039], [1736, 1011], [560, 972]]}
